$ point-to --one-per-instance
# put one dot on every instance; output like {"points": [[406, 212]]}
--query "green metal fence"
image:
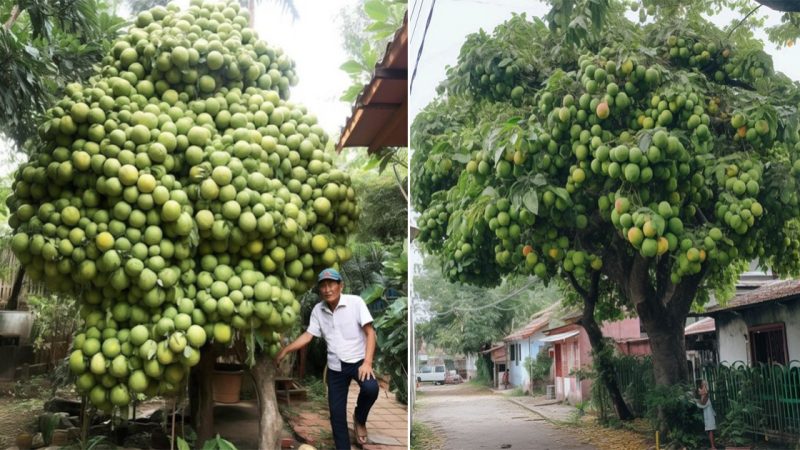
{"points": [[771, 394], [634, 377], [768, 397]]}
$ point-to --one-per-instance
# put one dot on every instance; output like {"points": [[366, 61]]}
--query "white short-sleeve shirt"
{"points": [[341, 329]]}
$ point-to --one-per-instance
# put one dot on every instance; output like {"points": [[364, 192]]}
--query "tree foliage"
{"points": [[463, 318], [44, 45], [646, 165], [366, 30], [384, 209], [579, 19]]}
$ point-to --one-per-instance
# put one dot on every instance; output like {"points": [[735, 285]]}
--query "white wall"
{"points": [[518, 375], [732, 329]]}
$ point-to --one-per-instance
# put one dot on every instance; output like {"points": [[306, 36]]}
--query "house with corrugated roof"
{"points": [[759, 326], [523, 343]]}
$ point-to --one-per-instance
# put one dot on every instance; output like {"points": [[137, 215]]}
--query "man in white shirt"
{"points": [[346, 325]]}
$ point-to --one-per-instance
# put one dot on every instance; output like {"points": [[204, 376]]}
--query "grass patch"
{"points": [[423, 437], [480, 382], [317, 391], [517, 392]]}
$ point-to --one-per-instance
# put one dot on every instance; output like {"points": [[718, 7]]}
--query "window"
{"points": [[439, 369], [425, 369], [768, 344], [513, 352], [519, 354]]}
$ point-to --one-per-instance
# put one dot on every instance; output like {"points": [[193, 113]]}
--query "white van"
{"points": [[436, 374]]}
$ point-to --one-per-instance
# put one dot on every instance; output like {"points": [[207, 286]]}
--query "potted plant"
{"points": [[227, 382]]}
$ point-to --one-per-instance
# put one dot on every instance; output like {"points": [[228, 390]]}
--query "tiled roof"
{"points": [[771, 291]]}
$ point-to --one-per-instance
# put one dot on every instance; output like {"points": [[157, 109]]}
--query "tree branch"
{"points": [[681, 299], [616, 262], [750, 14], [640, 287], [594, 287], [575, 285], [662, 276], [15, 12], [399, 182]]}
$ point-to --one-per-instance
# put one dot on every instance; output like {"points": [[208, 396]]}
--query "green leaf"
{"points": [[462, 158], [352, 66], [563, 194], [351, 93], [371, 163], [372, 293], [644, 142], [531, 202], [224, 444], [490, 192], [376, 10], [539, 180], [182, 444]]}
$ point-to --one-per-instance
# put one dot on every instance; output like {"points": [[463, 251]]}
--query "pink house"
{"points": [[571, 351]]}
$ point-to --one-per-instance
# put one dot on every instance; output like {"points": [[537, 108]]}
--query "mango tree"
{"points": [[645, 167]]}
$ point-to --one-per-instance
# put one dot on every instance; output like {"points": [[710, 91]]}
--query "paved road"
{"points": [[471, 418]]}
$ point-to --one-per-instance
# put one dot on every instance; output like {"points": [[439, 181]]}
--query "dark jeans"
{"points": [[338, 387]]}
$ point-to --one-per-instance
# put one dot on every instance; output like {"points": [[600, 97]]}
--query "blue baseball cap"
{"points": [[329, 274]]}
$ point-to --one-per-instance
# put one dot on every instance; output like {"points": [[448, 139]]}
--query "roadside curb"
{"points": [[533, 410]]}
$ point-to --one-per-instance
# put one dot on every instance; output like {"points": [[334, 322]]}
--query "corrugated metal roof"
{"points": [[380, 114], [771, 291], [705, 325], [530, 329]]}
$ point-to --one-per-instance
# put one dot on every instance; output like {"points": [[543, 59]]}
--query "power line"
{"points": [[456, 308], [416, 16], [421, 45]]}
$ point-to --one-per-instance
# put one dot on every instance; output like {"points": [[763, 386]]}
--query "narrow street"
{"points": [[470, 417]]}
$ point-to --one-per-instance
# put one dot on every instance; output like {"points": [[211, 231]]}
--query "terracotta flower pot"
{"points": [[60, 438], [227, 383], [24, 441]]}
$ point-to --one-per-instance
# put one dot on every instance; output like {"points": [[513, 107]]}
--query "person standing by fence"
{"points": [[703, 401]]}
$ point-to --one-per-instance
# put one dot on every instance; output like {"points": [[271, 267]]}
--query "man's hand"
{"points": [[365, 372], [279, 357]]}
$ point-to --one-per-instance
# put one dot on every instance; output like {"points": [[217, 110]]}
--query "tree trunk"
{"points": [[201, 401], [602, 361], [668, 348], [16, 290], [270, 421], [600, 351]]}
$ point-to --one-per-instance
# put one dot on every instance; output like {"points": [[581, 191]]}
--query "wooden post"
{"points": [[201, 401], [16, 290]]}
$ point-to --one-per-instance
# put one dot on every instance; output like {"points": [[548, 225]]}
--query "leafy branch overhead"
{"points": [[379, 19], [644, 166], [44, 46]]}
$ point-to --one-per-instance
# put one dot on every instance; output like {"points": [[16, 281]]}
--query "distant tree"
{"points": [[44, 45]]}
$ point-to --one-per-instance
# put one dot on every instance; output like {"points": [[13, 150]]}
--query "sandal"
{"points": [[360, 431]]}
